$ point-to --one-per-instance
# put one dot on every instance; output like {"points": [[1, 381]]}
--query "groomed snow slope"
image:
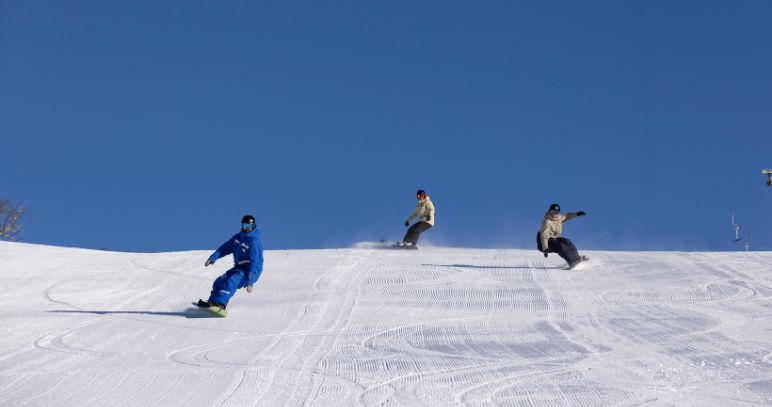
{"points": [[386, 328]]}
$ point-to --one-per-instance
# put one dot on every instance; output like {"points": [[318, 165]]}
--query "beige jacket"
{"points": [[552, 227], [424, 211]]}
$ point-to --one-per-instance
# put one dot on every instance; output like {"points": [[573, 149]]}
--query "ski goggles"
{"points": [[247, 226]]}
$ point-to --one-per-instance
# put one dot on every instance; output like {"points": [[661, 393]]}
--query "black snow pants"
{"points": [[565, 249], [562, 246], [415, 231]]}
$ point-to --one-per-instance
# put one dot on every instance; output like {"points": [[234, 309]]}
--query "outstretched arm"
{"points": [[572, 215], [224, 250], [413, 215]]}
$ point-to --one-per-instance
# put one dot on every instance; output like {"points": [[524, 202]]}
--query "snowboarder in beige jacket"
{"points": [[424, 212], [548, 240]]}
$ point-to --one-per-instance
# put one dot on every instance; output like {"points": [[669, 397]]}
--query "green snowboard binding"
{"points": [[217, 309]]}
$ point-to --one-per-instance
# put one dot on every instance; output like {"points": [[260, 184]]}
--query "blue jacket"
{"points": [[247, 249]]}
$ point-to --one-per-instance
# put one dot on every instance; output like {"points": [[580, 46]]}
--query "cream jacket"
{"points": [[552, 227], [424, 211]]}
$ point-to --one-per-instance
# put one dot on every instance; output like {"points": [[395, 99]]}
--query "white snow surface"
{"points": [[360, 326]]}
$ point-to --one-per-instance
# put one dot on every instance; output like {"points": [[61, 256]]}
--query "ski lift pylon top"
{"points": [[737, 237]]}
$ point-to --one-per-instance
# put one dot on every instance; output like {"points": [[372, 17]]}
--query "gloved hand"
{"points": [[208, 262], [546, 253], [580, 213], [407, 223], [249, 288], [428, 218]]}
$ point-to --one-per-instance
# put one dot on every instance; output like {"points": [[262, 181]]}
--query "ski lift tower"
{"points": [[737, 237], [769, 177]]}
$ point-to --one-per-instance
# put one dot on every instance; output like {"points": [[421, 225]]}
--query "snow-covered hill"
{"points": [[374, 327]]}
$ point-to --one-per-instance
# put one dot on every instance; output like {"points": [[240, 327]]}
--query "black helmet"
{"points": [[555, 207], [248, 223], [420, 192]]}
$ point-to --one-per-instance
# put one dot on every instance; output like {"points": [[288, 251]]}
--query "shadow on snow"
{"points": [[471, 266], [188, 313]]}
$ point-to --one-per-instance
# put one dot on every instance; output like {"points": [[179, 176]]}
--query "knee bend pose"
{"points": [[424, 212], [548, 240], [247, 250]]}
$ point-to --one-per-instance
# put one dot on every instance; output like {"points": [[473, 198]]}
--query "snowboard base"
{"points": [[219, 311], [401, 247], [384, 244], [579, 263]]}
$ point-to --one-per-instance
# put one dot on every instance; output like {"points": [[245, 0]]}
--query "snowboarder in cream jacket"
{"points": [[424, 212], [247, 249], [548, 240]]}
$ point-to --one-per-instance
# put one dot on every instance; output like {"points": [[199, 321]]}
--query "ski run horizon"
{"points": [[367, 327]]}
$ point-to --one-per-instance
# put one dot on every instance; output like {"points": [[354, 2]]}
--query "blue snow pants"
{"points": [[226, 285]]}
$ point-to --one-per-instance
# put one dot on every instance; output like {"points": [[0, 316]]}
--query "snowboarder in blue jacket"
{"points": [[247, 249]]}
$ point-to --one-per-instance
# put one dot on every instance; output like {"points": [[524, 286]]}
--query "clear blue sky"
{"points": [[154, 126]]}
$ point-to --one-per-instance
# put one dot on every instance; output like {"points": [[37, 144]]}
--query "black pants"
{"points": [[565, 249], [415, 231]]}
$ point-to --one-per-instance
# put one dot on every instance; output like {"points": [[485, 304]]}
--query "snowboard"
{"points": [[397, 246], [581, 261], [221, 312]]}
